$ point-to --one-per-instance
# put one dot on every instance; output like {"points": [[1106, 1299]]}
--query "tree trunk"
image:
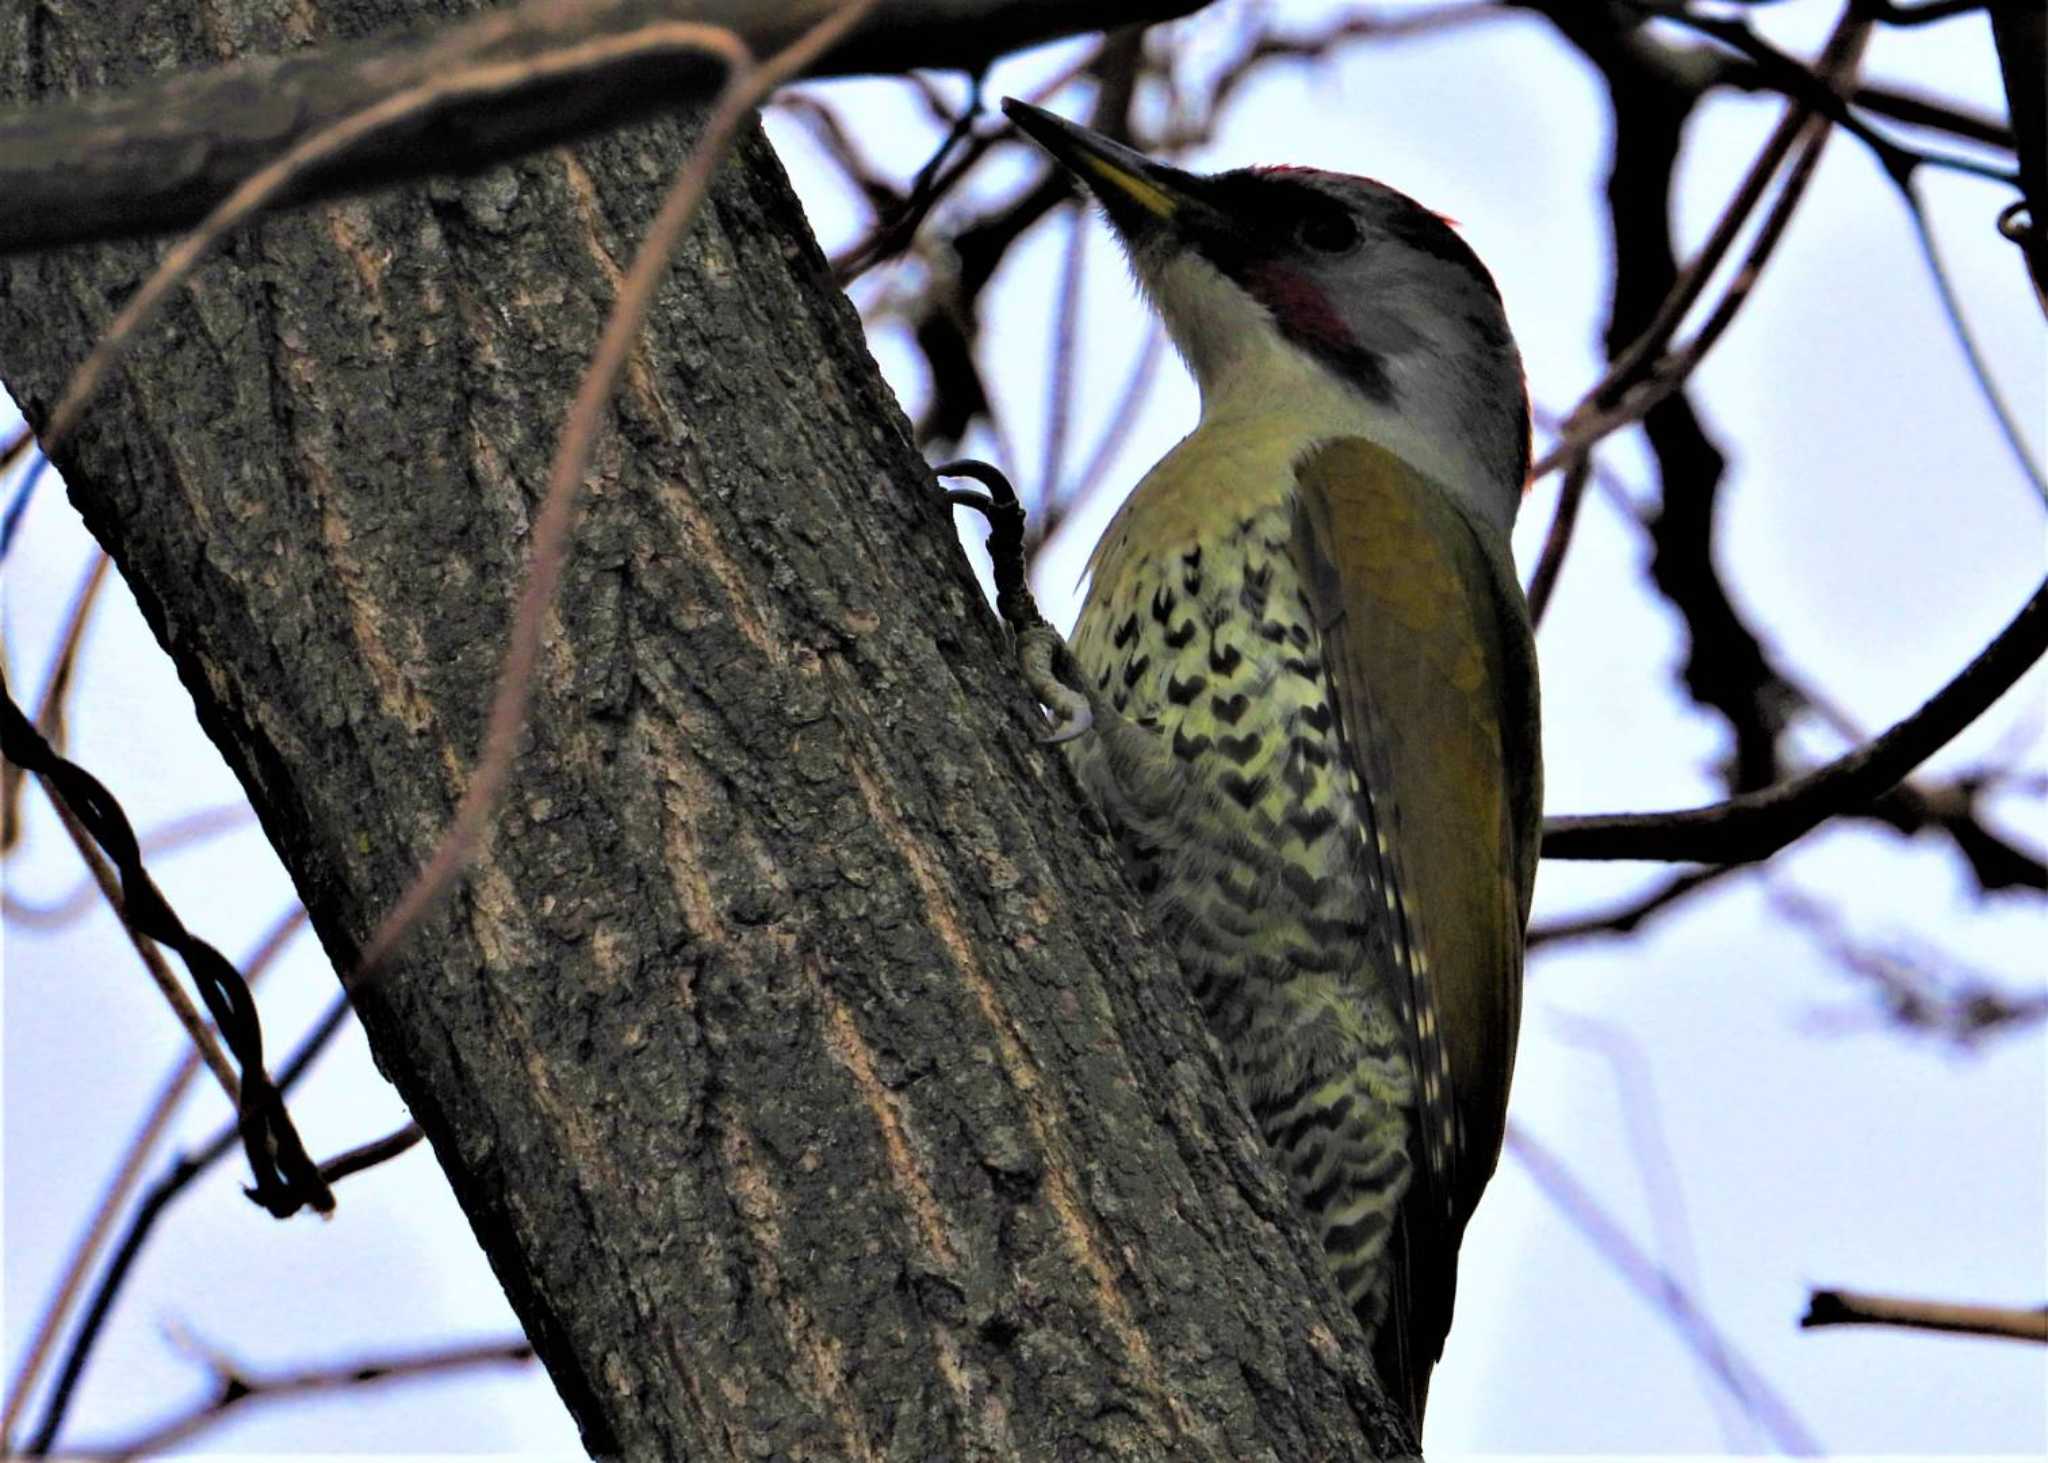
{"points": [[792, 1045]]}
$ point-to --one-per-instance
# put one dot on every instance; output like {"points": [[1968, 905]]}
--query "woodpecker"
{"points": [[1308, 702]]}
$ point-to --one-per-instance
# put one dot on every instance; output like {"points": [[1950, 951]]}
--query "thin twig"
{"points": [[1640, 358], [50, 706], [127, 1173], [1059, 371], [1123, 419], [173, 835], [1626, 919], [927, 187], [1856, 1308], [236, 1386], [1550, 562], [1784, 74], [1635, 1092], [167, 982], [1659, 1289], [369, 1155], [1959, 327], [142, 1223], [285, 1179], [1646, 374]]}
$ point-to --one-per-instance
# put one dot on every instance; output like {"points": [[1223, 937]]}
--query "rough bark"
{"points": [[792, 1046]]}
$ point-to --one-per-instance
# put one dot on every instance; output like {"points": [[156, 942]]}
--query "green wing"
{"points": [[1431, 659]]}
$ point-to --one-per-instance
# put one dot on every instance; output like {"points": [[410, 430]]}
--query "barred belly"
{"points": [[1260, 863]]}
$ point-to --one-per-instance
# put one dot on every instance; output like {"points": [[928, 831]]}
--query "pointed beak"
{"points": [[1143, 198]]}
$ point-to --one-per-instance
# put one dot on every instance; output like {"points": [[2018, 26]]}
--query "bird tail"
{"points": [[1411, 1338]]}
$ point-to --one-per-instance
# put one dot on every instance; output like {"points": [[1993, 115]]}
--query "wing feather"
{"points": [[1430, 654]]}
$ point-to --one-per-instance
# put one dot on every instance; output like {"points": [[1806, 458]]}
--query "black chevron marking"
{"points": [[1126, 632], [1162, 603], [1304, 667], [1354, 1281], [1318, 716], [1311, 752], [1312, 825], [1252, 592], [1224, 659], [1230, 709], [1134, 668], [1186, 747], [1183, 693], [1318, 1199], [1303, 885], [1240, 750], [1316, 1119], [1355, 1237], [1181, 636], [1273, 631], [1280, 1104], [1244, 791]]}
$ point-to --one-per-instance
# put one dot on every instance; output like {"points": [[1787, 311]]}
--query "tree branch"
{"points": [[234, 1386], [1756, 825], [159, 156], [1855, 1308]]}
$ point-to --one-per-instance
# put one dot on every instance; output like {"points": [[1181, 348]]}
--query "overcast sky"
{"points": [[1718, 1082]]}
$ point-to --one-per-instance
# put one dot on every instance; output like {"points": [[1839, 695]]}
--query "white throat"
{"points": [[1251, 376]]}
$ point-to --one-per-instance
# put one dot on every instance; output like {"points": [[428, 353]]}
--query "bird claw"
{"points": [[1042, 656]]}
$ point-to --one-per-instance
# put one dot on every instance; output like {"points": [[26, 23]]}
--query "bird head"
{"points": [[1278, 284]]}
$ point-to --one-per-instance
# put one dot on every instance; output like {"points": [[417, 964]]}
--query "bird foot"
{"points": [[1042, 656]]}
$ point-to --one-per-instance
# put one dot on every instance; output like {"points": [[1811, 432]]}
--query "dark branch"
{"points": [[1851, 1308], [160, 157], [285, 1178], [1756, 825], [235, 1386]]}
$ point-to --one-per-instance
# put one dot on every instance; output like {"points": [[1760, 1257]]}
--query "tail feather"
{"points": [[1424, 1287]]}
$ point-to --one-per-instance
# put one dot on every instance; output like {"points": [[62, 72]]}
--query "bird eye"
{"points": [[1328, 233]]}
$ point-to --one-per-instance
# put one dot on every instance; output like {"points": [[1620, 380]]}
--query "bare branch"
{"points": [[1658, 1288], [1543, 580], [159, 157], [155, 1202], [169, 837], [369, 1155], [1630, 916], [235, 1386], [1856, 1308], [1756, 825], [50, 707], [1916, 989], [127, 1173]]}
